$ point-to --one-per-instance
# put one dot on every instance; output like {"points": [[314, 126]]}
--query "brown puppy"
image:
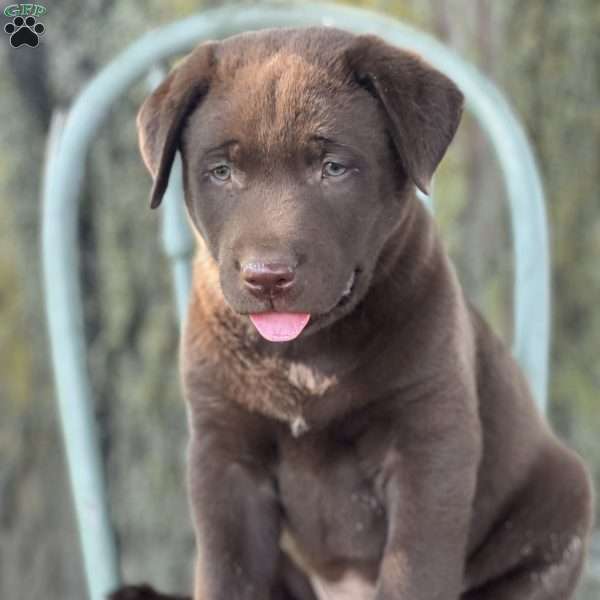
{"points": [[357, 431]]}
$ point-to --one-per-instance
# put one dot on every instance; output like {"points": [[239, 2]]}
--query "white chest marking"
{"points": [[309, 380]]}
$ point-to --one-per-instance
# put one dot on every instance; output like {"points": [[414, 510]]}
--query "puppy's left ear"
{"points": [[163, 115], [423, 106]]}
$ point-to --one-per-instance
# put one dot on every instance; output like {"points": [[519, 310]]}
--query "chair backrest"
{"points": [[65, 172]]}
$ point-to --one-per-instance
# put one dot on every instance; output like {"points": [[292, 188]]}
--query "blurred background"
{"points": [[544, 55]]}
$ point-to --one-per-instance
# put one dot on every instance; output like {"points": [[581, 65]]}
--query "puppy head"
{"points": [[299, 148]]}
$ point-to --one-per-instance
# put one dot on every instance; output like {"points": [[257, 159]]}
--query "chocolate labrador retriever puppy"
{"points": [[357, 430]]}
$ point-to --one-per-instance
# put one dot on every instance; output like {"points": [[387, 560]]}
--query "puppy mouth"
{"points": [[280, 326], [285, 327]]}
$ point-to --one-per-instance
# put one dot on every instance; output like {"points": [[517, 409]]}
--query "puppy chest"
{"points": [[330, 507]]}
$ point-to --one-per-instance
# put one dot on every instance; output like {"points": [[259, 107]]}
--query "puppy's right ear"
{"points": [[163, 115]]}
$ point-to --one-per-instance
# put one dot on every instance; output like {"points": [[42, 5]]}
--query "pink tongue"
{"points": [[280, 327]]}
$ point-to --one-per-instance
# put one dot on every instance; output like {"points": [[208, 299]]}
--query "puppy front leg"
{"points": [[428, 486], [237, 525]]}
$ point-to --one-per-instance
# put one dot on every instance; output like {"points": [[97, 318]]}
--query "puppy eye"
{"points": [[221, 172], [333, 169]]}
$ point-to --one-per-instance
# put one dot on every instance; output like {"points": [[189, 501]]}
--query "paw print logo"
{"points": [[24, 31]]}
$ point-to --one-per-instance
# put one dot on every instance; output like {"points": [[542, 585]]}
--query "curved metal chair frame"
{"points": [[66, 169]]}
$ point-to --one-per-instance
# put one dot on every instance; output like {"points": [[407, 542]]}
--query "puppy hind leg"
{"points": [[537, 581], [538, 551]]}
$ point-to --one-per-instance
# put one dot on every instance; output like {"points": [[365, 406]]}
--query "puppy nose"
{"points": [[267, 279]]}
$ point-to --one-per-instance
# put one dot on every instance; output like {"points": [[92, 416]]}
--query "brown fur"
{"points": [[393, 451]]}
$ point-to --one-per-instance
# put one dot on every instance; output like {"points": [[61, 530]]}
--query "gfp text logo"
{"points": [[24, 29]]}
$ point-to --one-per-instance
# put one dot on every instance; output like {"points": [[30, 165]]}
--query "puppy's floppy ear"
{"points": [[423, 106], [163, 115]]}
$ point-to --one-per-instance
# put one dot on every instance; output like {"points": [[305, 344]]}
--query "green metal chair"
{"points": [[65, 171]]}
